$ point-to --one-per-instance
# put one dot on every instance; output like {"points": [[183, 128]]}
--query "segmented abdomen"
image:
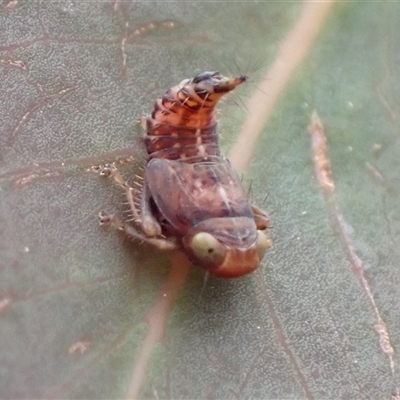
{"points": [[183, 122]]}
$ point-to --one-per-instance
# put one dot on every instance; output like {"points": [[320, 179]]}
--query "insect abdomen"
{"points": [[183, 122]]}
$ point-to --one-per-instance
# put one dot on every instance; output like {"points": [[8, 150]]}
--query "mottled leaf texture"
{"points": [[86, 314]]}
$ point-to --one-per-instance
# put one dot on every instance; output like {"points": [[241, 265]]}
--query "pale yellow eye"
{"points": [[263, 244], [208, 249]]}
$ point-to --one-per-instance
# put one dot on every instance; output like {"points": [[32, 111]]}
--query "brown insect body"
{"points": [[193, 189], [191, 197], [183, 122]]}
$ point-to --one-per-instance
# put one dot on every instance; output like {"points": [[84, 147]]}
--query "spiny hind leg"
{"points": [[142, 217], [260, 217], [130, 231], [149, 224]]}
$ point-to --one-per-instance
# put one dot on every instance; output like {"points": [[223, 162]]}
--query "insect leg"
{"points": [[111, 171], [129, 230], [148, 223], [144, 219], [260, 217]]}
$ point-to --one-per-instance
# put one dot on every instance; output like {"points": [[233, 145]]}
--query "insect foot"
{"points": [[191, 199], [110, 219], [104, 219], [108, 170]]}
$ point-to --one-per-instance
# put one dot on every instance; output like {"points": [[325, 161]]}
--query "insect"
{"points": [[191, 198]]}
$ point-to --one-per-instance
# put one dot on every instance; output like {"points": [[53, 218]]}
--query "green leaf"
{"points": [[83, 311]]}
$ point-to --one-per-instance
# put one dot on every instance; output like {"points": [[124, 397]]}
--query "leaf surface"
{"points": [[78, 303]]}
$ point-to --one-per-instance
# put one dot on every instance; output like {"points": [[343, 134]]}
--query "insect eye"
{"points": [[263, 244], [208, 249]]}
